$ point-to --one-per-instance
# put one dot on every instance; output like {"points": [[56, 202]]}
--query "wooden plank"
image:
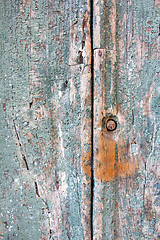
{"points": [[126, 75], [45, 119]]}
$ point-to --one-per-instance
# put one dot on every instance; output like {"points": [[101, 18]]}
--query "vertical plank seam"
{"points": [[92, 115]]}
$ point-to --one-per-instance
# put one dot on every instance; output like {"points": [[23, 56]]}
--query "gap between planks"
{"points": [[92, 115]]}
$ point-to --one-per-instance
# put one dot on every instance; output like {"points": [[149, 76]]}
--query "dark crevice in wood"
{"points": [[57, 180], [47, 207], [20, 145], [50, 232], [36, 187], [92, 116], [24, 159], [30, 104], [132, 118], [80, 58]]}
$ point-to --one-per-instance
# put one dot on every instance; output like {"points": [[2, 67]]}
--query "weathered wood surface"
{"points": [[45, 119], [126, 75], [46, 126]]}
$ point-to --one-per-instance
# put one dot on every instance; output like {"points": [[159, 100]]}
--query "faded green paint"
{"points": [[127, 75], [42, 179], [46, 118]]}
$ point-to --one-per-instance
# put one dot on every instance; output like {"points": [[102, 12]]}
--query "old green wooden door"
{"points": [[79, 119]]}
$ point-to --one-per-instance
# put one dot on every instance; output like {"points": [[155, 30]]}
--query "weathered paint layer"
{"points": [[126, 76], [45, 119]]}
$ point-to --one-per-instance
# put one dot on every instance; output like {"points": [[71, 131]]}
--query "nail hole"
{"points": [[111, 125]]}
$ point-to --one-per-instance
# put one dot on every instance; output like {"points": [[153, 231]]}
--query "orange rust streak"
{"points": [[86, 160], [104, 168], [125, 165], [125, 168]]}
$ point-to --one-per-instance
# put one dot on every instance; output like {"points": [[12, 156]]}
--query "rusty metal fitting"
{"points": [[111, 125]]}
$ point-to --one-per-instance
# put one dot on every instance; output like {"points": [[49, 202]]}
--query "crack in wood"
{"points": [[47, 207], [20, 145]]}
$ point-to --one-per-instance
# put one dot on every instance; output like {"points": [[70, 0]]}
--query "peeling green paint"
{"points": [[46, 118], [126, 79], [41, 164]]}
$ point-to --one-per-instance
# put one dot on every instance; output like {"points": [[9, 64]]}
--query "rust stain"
{"points": [[113, 157], [104, 167], [86, 163], [107, 166]]}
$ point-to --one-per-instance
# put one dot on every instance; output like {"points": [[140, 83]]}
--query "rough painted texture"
{"points": [[126, 76], [46, 114], [45, 119]]}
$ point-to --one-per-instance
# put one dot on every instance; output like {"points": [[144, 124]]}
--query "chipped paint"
{"points": [[113, 157], [125, 83], [46, 119], [42, 117]]}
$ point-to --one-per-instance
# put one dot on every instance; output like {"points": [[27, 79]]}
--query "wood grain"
{"points": [[45, 119], [46, 137], [126, 75]]}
